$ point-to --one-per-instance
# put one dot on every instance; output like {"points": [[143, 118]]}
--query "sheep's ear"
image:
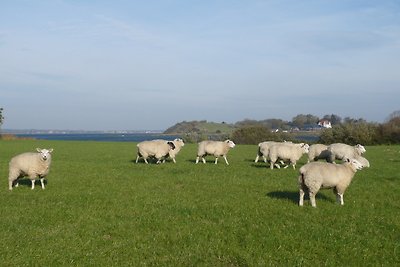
{"points": [[38, 150], [51, 150]]}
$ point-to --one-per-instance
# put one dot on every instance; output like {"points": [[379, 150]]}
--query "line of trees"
{"points": [[347, 130]]}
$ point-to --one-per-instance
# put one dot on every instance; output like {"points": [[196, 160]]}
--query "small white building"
{"points": [[325, 123]]}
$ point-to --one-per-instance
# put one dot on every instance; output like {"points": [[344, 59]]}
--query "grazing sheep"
{"points": [[287, 151], [154, 148], [215, 148], [316, 175], [342, 151], [30, 164], [178, 145], [318, 151]]}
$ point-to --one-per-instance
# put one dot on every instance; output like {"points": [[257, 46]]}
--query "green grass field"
{"points": [[99, 208]]}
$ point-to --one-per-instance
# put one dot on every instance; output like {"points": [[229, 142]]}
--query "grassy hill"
{"points": [[201, 127], [101, 209]]}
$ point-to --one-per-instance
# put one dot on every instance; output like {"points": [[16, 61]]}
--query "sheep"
{"points": [[263, 149], [342, 151], [318, 151], [30, 164], [154, 148], [287, 151], [364, 162], [316, 175], [215, 148], [178, 145]]}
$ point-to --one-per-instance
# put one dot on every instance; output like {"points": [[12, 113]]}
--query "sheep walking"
{"points": [[154, 148], [215, 148], [287, 151], [30, 164], [318, 151], [263, 150], [316, 175], [343, 151], [178, 143]]}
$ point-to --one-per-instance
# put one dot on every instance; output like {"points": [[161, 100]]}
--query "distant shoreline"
{"points": [[104, 137], [51, 131]]}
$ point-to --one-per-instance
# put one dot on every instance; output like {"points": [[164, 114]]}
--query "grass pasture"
{"points": [[99, 208]]}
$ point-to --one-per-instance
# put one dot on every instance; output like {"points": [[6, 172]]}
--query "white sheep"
{"points": [[31, 164], [178, 142], [318, 151], [215, 148], [287, 151], [154, 148], [364, 162], [343, 151], [316, 175], [263, 150]]}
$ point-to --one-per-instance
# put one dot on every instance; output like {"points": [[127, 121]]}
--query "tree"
{"points": [[389, 132], [334, 119], [394, 114], [351, 133], [1, 116], [301, 120]]}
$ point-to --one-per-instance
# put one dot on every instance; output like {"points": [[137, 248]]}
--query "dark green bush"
{"points": [[389, 132], [253, 135], [351, 133]]}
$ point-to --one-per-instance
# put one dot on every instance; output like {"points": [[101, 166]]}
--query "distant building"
{"points": [[325, 123]]}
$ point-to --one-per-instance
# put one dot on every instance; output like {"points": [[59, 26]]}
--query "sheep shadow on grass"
{"points": [[27, 182], [294, 196]]}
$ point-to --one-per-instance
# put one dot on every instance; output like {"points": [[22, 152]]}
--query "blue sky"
{"points": [[115, 65]]}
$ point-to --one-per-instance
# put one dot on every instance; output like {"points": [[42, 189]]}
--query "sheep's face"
{"points": [[230, 143], [357, 165], [178, 140], [306, 148], [360, 148], [44, 153]]}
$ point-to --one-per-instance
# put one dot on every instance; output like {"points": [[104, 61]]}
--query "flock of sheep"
{"points": [[312, 177]]}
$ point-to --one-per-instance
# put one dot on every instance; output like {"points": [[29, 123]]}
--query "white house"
{"points": [[325, 123]]}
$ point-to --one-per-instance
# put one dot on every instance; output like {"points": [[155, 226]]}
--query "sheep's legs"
{"points": [[312, 199], [301, 200], [33, 184], [216, 160], [10, 185], [227, 163], [42, 182], [339, 198], [256, 160], [202, 159]]}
